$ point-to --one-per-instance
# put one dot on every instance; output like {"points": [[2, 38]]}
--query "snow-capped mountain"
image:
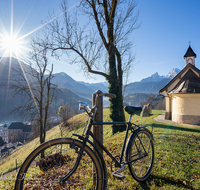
{"points": [[152, 84], [153, 78], [156, 77], [172, 73]]}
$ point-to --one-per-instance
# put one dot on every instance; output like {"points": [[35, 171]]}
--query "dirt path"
{"points": [[11, 172], [161, 119]]}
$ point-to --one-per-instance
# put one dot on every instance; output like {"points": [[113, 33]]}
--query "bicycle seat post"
{"points": [[130, 117]]}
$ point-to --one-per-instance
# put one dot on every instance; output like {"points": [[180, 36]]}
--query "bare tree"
{"points": [[34, 85], [15, 138], [104, 50], [66, 112]]}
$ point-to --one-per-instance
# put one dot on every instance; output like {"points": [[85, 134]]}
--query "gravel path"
{"points": [[161, 119]]}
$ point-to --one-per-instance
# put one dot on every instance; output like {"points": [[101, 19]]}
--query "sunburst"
{"points": [[11, 44]]}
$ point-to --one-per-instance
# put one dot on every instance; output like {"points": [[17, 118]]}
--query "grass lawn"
{"points": [[177, 154]]}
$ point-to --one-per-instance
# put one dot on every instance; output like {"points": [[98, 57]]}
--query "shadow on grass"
{"points": [[176, 128], [163, 181]]}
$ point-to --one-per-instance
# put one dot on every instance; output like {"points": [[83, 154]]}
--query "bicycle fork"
{"points": [[80, 154]]}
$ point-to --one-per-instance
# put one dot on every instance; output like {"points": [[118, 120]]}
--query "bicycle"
{"points": [[69, 163]]}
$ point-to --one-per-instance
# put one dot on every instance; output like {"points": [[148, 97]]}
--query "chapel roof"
{"points": [[190, 53], [190, 83], [187, 67]]}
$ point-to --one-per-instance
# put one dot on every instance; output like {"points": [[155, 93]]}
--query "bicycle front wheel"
{"points": [[58, 158], [140, 155]]}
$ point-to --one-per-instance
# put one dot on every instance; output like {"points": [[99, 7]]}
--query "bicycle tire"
{"points": [[88, 175], [141, 168]]}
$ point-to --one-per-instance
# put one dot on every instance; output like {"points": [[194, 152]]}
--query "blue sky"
{"points": [[162, 40], [160, 43]]}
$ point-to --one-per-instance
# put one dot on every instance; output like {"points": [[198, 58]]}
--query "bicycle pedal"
{"points": [[118, 175]]}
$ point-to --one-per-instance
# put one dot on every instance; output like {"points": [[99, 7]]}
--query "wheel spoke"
{"points": [[141, 155], [56, 162]]}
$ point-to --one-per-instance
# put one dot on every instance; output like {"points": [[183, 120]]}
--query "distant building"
{"points": [[5, 133], [6, 149], [17, 144], [183, 93], [1, 142], [18, 128]]}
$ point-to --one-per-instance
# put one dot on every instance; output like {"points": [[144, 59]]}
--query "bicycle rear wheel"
{"points": [[140, 155], [58, 158]]}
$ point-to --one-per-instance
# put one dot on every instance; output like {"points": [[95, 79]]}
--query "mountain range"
{"points": [[157, 78], [8, 99], [82, 89], [72, 91], [149, 85]]}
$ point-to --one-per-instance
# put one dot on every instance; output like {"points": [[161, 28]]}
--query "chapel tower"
{"points": [[189, 56]]}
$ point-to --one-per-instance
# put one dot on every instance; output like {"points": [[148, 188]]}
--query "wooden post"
{"points": [[16, 164], [98, 129]]}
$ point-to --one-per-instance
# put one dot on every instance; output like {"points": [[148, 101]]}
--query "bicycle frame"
{"points": [[129, 124], [85, 139], [89, 133]]}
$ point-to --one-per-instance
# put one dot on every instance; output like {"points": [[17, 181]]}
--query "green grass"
{"points": [[177, 154]]}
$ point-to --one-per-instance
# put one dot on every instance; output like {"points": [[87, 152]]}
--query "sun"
{"points": [[11, 44]]}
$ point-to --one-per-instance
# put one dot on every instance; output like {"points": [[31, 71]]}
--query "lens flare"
{"points": [[11, 44]]}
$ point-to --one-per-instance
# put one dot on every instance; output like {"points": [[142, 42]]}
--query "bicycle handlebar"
{"points": [[84, 106]]}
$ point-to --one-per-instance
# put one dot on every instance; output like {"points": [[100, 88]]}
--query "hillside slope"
{"points": [[9, 100], [176, 163]]}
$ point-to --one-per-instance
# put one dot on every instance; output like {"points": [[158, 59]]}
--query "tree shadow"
{"points": [[176, 128], [160, 181]]}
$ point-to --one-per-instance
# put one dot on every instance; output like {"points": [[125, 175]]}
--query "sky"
{"points": [[167, 27]]}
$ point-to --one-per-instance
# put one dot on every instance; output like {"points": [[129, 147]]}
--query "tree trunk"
{"points": [[115, 87], [42, 140]]}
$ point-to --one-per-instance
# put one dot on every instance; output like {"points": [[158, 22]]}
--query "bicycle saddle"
{"points": [[133, 110]]}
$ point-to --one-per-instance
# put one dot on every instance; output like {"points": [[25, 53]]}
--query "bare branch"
{"points": [[35, 86]]}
